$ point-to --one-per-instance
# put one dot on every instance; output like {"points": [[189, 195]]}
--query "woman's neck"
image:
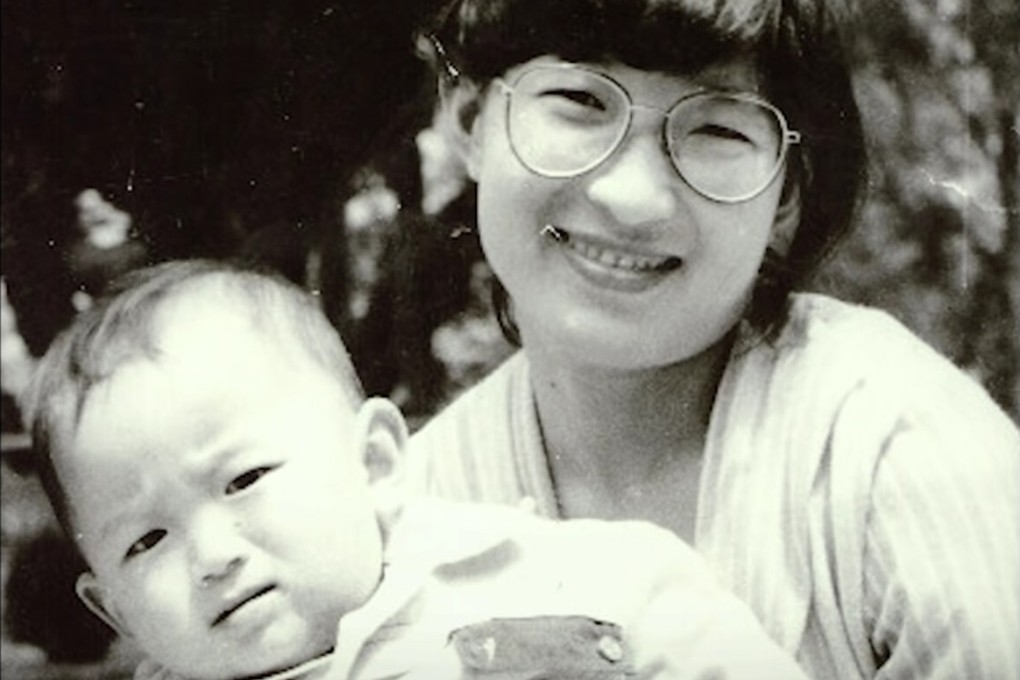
{"points": [[612, 434]]}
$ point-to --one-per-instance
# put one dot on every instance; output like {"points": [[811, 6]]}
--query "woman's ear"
{"points": [[96, 598], [458, 117], [787, 218]]}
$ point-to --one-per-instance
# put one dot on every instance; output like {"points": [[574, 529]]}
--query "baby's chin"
{"points": [[306, 670]]}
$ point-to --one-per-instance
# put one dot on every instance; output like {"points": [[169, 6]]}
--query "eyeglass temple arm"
{"points": [[438, 52]]}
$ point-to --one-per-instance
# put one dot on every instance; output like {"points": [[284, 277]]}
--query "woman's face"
{"points": [[624, 266]]}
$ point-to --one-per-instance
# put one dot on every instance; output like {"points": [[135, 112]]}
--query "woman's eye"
{"points": [[588, 100], [145, 543], [245, 480], [585, 98], [722, 132]]}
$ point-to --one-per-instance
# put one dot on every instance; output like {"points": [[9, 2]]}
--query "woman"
{"points": [[653, 179]]}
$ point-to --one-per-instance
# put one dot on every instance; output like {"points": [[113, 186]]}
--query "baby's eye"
{"points": [[246, 479], [145, 543]]}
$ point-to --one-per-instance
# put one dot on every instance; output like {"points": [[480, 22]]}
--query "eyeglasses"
{"points": [[564, 120]]}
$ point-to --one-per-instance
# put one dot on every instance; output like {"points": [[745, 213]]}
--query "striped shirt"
{"points": [[859, 492]]}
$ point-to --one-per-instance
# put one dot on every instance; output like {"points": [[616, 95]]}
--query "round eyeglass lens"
{"points": [[565, 121], [726, 146]]}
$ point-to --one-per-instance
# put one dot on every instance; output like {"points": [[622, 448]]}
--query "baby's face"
{"points": [[227, 522]]}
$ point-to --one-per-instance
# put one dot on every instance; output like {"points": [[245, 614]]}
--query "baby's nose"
{"points": [[212, 574], [217, 549]]}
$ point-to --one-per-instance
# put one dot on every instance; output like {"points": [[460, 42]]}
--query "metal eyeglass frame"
{"points": [[787, 139]]}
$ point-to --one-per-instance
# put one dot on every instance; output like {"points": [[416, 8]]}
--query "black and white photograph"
{"points": [[510, 339]]}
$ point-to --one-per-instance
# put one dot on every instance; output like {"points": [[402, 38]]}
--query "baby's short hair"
{"points": [[122, 326]]}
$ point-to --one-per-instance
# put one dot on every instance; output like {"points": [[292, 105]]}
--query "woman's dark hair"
{"points": [[796, 45]]}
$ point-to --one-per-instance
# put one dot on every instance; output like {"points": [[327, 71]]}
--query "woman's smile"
{"points": [[614, 265]]}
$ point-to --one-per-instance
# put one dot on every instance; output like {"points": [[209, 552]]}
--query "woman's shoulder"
{"points": [[864, 358], [864, 341], [910, 442], [488, 400], [820, 322], [470, 450], [842, 369]]}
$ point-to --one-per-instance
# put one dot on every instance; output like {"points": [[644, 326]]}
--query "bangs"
{"points": [[483, 40]]}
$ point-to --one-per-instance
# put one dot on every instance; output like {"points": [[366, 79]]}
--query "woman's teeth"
{"points": [[616, 259]]}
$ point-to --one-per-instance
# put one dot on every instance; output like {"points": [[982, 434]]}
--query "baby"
{"points": [[203, 438]]}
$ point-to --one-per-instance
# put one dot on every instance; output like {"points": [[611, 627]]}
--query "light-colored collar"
{"points": [[430, 535]]}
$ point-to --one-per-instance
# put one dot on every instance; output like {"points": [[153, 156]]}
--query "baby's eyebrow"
{"points": [[127, 515], [115, 523], [213, 454]]}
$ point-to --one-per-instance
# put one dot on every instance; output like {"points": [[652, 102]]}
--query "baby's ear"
{"points": [[382, 433], [97, 599], [460, 106]]}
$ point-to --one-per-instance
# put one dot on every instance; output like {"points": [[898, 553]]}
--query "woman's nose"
{"points": [[217, 549], [637, 184]]}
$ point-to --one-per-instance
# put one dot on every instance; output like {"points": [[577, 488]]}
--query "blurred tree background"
{"points": [[285, 133], [938, 242], [296, 134]]}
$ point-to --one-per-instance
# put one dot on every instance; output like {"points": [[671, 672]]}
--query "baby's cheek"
{"points": [[161, 600]]}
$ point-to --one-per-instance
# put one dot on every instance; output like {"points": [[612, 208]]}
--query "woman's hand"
{"points": [[687, 633]]}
